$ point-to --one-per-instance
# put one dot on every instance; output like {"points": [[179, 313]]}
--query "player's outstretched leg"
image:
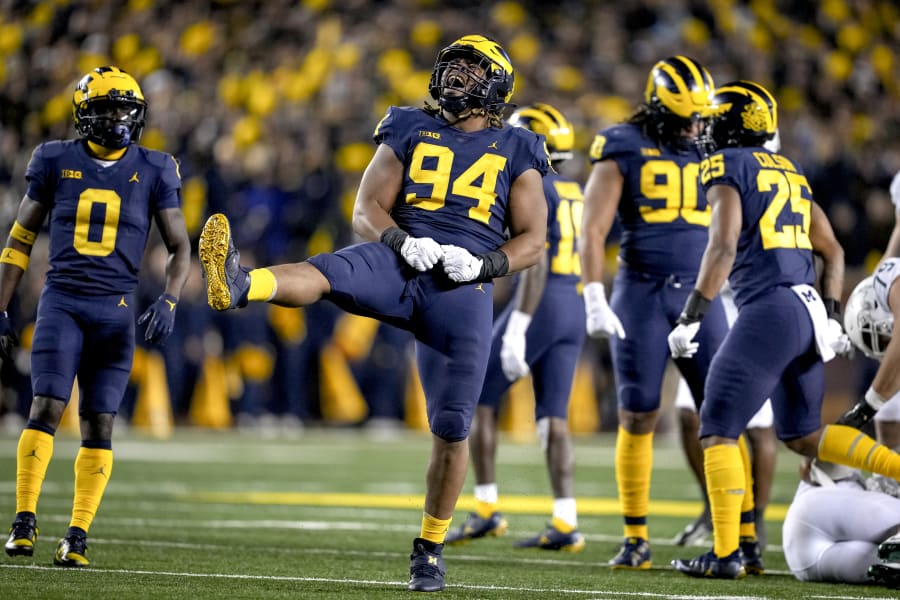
{"points": [[227, 282], [22, 535]]}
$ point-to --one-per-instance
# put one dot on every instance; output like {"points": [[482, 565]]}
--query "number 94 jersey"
{"points": [[662, 211], [99, 216], [774, 248], [456, 184]]}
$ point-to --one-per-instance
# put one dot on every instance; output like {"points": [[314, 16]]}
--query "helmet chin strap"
{"points": [[104, 153]]}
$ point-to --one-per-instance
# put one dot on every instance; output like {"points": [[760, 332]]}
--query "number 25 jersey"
{"points": [[456, 184], [774, 248]]}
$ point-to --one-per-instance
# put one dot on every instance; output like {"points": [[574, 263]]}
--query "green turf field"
{"points": [[332, 515]]}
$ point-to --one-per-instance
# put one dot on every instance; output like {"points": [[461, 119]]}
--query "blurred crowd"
{"points": [[270, 106]]}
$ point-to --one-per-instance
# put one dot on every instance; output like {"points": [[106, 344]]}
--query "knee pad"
{"points": [[450, 427]]}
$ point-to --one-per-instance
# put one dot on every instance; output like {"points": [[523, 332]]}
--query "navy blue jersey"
{"points": [[456, 184], [662, 211], [565, 205], [99, 216], [774, 248], [556, 334]]}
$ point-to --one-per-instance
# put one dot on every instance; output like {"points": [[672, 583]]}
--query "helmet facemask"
{"points": [[112, 123]]}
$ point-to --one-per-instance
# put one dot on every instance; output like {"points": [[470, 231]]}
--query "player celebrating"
{"points": [[100, 192], [541, 332], [765, 228], [444, 185]]}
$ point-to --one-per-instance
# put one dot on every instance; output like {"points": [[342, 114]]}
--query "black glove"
{"points": [[857, 416], [161, 316], [8, 337]]}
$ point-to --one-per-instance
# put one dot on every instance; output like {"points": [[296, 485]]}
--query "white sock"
{"points": [[486, 492], [564, 510]]}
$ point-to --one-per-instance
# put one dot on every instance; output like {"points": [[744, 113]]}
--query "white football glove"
{"points": [[512, 348], [681, 344], [838, 340], [421, 253], [600, 320], [460, 265]]}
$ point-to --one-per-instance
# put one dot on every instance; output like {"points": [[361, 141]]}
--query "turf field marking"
{"points": [[511, 503], [400, 584], [392, 584]]}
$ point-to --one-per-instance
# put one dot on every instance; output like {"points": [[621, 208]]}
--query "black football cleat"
{"points": [[227, 282], [426, 567]]}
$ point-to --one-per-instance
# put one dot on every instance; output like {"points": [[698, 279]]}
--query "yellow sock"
{"points": [[485, 509], [262, 285], [93, 466], [634, 462], [748, 506], [725, 486], [849, 446], [32, 458], [434, 529]]}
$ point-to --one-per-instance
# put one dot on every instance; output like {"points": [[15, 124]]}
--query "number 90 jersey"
{"points": [[774, 248], [662, 211], [456, 184], [99, 216]]}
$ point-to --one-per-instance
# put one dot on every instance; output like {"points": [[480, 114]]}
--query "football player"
{"points": [[444, 186], [646, 172], [541, 332], [869, 319], [101, 192], [764, 232], [823, 541]]}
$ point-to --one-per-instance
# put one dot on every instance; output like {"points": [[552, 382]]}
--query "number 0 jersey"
{"points": [[456, 184], [99, 216], [774, 248], [662, 211]]}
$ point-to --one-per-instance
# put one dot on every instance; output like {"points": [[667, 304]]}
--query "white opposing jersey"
{"points": [[882, 278]]}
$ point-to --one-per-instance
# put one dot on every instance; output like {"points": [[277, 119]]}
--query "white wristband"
{"points": [[594, 293], [518, 323], [874, 399]]}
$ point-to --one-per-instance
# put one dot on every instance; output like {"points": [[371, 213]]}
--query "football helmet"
{"points": [[109, 108], [550, 123], [744, 114], [472, 72], [679, 92], [868, 325]]}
